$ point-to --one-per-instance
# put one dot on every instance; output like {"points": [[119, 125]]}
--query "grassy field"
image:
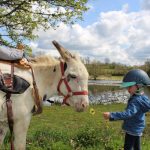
{"points": [[61, 128]]}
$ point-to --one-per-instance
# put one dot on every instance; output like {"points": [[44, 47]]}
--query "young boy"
{"points": [[134, 114]]}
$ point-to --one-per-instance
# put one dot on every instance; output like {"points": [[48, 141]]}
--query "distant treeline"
{"points": [[97, 68]]}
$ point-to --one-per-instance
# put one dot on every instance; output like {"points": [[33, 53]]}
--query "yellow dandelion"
{"points": [[92, 111]]}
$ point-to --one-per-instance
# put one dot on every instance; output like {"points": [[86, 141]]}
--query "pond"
{"points": [[98, 86], [109, 92], [105, 82], [104, 92]]}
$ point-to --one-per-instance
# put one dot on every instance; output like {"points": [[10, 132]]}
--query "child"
{"points": [[134, 114]]}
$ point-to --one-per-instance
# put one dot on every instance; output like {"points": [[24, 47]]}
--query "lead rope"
{"points": [[36, 95]]}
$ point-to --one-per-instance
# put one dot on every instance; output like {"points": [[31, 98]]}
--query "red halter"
{"points": [[70, 93]]}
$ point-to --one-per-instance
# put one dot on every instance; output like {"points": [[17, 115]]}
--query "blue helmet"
{"points": [[136, 77]]}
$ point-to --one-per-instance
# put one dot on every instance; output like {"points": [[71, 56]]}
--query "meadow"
{"points": [[61, 128]]}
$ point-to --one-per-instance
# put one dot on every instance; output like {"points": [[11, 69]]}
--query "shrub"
{"points": [[46, 139], [60, 146], [87, 137]]}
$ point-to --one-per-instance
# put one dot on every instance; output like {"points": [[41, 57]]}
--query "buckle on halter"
{"points": [[70, 93], [63, 77]]}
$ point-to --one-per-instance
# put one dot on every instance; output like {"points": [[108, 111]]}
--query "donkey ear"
{"points": [[65, 54]]}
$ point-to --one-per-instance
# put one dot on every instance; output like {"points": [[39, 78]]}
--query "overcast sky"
{"points": [[116, 30]]}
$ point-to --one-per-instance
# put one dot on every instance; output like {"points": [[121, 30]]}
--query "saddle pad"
{"points": [[20, 85]]}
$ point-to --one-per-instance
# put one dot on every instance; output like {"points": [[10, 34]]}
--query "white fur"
{"points": [[47, 81]]}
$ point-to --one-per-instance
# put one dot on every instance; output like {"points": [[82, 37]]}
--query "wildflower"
{"points": [[92, 111]]}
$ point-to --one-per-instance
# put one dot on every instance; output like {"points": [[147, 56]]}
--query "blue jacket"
{"points": [[134, 115]]}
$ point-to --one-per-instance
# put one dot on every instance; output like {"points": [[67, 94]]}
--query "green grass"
{"points": [[61, 128]]}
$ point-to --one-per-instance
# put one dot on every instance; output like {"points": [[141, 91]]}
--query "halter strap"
{"points": [[70, 92]]}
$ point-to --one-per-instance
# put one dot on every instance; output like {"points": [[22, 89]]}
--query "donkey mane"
{"points": [[44, 60], [48, 60]]}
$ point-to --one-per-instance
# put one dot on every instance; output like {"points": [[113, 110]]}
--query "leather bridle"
{"points": [[70, 92]]}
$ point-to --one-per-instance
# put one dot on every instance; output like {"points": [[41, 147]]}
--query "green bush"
{"points": [[87, 137], [60, 146], [45, 138]]}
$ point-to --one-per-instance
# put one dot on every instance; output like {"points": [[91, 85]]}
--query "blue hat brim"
{"points": [[127, 84]]}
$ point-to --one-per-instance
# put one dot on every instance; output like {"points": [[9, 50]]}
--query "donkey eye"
{"points": [[73, 76]]}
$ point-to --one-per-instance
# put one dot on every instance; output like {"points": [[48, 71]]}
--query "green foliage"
{"points": [[94, 70], [60, 128], [97, 69], [60, 146], [87, 137], [146, 66], [48, 139], [19, 18], [28, 50]]}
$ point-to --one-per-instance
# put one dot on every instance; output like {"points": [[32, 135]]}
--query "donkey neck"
{"points": [[47, 78]]}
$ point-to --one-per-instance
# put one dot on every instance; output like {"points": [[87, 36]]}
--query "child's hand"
{"points": [[106, 115]]}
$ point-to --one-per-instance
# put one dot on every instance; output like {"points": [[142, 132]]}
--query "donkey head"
{"points": [[74, 82]]}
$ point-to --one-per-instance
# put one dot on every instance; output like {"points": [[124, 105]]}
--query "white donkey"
{"points": [[68, 77]]}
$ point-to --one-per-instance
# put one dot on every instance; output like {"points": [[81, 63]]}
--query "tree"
{"points": [[147, 66], [19, 18], [95, 69], [87, 60]]}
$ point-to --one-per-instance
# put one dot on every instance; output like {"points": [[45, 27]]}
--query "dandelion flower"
{"points": [[92, 111]]}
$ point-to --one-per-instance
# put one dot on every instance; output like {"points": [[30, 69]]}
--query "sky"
{"points": [[113, 30]]}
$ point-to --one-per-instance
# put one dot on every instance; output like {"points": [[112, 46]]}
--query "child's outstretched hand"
{"points": [[106, 115]]}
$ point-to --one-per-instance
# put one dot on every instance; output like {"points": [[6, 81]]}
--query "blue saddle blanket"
{"points": [[7, 53]]}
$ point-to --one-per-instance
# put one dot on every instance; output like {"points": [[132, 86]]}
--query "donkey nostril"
{"points": [[83, 105]]}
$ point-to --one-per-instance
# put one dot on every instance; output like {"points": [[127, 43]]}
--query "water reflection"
{"points": [[147, 91], [104, 82], [98, 86], [104, 92]]}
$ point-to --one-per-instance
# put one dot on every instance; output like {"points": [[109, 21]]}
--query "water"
{"points": [[98, 86], [104, 82], [147, 91], [104, 92]]}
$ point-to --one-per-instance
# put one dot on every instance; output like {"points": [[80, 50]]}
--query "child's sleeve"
{"points": [[145, 105], [130, 111]]}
